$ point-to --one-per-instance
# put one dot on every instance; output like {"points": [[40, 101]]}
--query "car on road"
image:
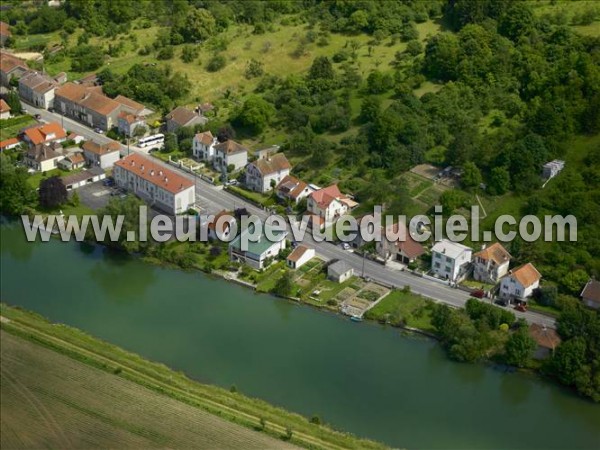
{"points": [[478, 293], [38, 116], [98, 130], [345, 246], [501, 302]]}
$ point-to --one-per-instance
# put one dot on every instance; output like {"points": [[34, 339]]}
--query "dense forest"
{"points": [[514, 90]]}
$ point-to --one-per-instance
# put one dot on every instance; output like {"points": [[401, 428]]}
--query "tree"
{"points": [[129, 208], [216, 63], [255, 114], [16, 194], [471, 176], [499, 181], [370, 109], [284, 285], [12, 100], [358, 21], [254, 69], [414, 47], [53, 193], [139, 131], [170, 142], [166, 52], [198, 26], [321, 69], [85, 58], [225, 133], [75, 199], [519, 348], [189, 53]]}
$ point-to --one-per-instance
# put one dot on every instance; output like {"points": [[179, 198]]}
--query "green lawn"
{"points": [[400, 306], [9, 128]]}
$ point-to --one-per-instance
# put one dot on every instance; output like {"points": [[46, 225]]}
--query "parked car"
{"points": [[98, 130], [38, 116], [501, 302], [521, 307], [346, 246], [478, 293]]}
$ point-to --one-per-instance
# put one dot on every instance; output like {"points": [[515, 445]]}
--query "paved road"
{"points": [[216, 199]]}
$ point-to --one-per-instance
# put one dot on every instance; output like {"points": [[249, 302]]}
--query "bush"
{"points": [[216, 63], [166, 53]]}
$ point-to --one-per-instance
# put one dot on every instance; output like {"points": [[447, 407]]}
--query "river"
{"points": [[367, 379]]}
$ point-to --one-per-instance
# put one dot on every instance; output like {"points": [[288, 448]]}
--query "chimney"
{"points": [[166, 180], [483, 246], [160, 173], [152, 172]]}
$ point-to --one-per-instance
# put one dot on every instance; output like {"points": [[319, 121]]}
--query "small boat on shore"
{"points": [[356, 318]]}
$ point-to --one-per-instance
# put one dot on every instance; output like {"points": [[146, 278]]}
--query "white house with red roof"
{"points": [[44, 134], [292, 189], [491, 263], [520, 283], [155, 184], [203, 146], [300, 256], [325, 206], [403, 248], [4, 110]]}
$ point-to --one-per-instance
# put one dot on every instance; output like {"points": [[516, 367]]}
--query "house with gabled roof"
{"points": [[182, 117], [339, 271], [403, 249], [44, 133], [72, 161], [591, 294], [44, 156], [38, 89], [101, 155], [11, 67], [259, 251], [325, 206], [263, 175], [491, 263], [300, 256], [5, 33], [203, 146], [292, 189], [7, 144], [519, 283], [229, 153], [128, 123]]}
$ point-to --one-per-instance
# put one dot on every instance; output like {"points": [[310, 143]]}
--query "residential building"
{"points": [[520, 283], [258, 252], [265, 153], [339, 271], [263, 175], [76, 180], [591, 294], [7, 144], [11, 67], [44, 133], [292, 189], [182, 117], [203, 146], [404, 249], [4, 110], [491, 263], [230, 153], [37, 89], [158, 186], [128, 123], [547, 339], [90, 106], [101, 155], [75, 138], [5, 33], [44, 157], [72, 161], [221, 226], [450, 260], [300, 256], [326, 205]]}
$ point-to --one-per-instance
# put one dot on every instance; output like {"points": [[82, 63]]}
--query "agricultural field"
{"points": [[50, 400]]}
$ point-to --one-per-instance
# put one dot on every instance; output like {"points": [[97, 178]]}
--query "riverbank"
{"points": [[231, 406]]}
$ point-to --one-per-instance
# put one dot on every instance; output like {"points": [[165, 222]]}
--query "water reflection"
{"points": [[13, 242], [513, 392]]}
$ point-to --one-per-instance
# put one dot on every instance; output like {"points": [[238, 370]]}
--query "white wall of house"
{"points": [[105, 161], [488, 271], [201, 151], [239, 160], [258, 261], [306, 257], [329, 214], [448, 267], [510, 287]]}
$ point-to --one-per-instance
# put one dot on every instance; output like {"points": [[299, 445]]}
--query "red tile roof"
{"points": [[325, 196], [526, 275], [8, 143], [543, 336], [136, 107], [44, 133], [291, 186], [5, 29], [154, 173], [101, 149], [591, 291], [495, 252], [297, 253], [206, 137], [4, 106], [8, 62], [275, 163], [230, 147]]}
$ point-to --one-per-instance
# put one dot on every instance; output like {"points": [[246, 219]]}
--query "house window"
{"points": [[437, 265], [518, 291], [448, 269]]}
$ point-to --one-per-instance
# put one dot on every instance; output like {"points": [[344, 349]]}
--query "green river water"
{"points": [[362, 378]]}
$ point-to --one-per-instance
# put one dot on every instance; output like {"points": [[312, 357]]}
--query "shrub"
{"points": [[216, 63]]}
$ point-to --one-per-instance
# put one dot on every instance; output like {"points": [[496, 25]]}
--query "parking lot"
{"points": [[95, 195]]}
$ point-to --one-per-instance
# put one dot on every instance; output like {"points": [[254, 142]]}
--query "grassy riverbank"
{"points": [[119, 364]]}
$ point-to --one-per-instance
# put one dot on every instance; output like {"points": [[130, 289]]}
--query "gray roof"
{"points": [[338, 268]]}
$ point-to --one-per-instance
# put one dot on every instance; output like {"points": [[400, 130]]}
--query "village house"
{"points": [[44, 133], [38, 89], [491, 263], [404, 249], [230, 153], [339, 271], [258, 252], [300, 256], [519, 283], [591, 294], [263, 175], [4, 110], [547, 339], [44, 156], [72, 161], [450, 260], [128, 123], [182, 117], [158, 186], [101, 155], [5, 33], [91, 107], [7, 144], [292, 189], [325, 206], [221, 226], [75, 138], [11, 67], [203, 146]]}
